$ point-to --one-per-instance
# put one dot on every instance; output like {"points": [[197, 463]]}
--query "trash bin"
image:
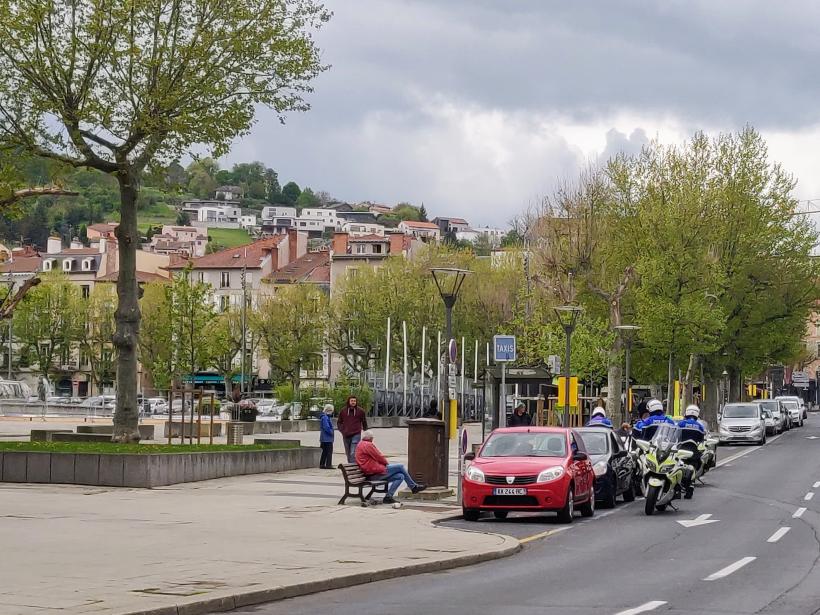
{"points": [[236, 431], [427, 452]]}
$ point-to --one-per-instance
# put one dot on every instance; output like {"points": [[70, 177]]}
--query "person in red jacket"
{"points": [[351, 422], [374, 465]]}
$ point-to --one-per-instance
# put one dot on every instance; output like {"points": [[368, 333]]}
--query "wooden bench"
{"points": [[354, 478]]}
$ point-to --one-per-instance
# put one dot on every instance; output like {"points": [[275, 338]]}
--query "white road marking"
{"points": [[811, 437], [779, 534], [816, 485], [798, 513], [744, 452], [699, 520], [725, 572], [524, 541], [649, 606], [808, 496]]}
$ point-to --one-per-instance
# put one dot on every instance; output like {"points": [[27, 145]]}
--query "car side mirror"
{"points": [[579, 456], [469, 456]]}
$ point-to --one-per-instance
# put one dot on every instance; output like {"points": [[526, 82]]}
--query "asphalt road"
{"points": [[759, 556]]}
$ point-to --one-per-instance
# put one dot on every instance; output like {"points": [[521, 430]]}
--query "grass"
{"points": [[229, 237], [131, 449]]}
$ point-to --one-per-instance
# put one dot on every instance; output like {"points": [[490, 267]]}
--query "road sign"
{"points": [[554, 364], [504, 348], [452, 351], [800, 379]]}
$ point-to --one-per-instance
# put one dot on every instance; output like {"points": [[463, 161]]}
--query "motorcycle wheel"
{"points": [[652, 494]]}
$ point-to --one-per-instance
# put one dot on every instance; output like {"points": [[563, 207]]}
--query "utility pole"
{"points": [[244, 325]]}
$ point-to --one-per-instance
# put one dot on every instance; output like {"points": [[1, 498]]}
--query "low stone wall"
{"points": [[146, 471], [204, 429], [21, 408], [146, 431], [385, 421], [46, 435]]}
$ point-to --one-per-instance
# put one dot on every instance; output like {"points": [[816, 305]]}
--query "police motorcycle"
{"points": [[664, 465]]}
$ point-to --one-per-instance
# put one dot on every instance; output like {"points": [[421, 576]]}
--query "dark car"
{"points": [[614, 467]]}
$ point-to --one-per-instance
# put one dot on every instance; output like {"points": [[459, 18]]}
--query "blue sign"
{"points": [[504, 348]]}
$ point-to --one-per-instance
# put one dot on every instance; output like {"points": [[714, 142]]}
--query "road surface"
{"points": [[752, 547]]}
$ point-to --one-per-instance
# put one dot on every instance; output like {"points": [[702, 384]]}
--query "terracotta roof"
{"points": [[304, 269], [103, 227], [22, 264], [235, 258], [142, 277], [77, 252], [413, 224]]}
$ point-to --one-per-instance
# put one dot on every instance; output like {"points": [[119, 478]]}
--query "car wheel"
{"points": [[566, 514], [629, 494], [588, 509], [500, 514], [470, 514]]}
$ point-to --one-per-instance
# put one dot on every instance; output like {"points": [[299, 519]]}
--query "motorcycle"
{"points": [[664, 466], [704, 456]]}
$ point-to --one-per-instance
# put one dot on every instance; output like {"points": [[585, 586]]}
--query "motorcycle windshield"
{"points": [[666, 438]]}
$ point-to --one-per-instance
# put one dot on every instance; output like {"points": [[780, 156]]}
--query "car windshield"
{"points": [[740, 411], [525, 444], [771, 406], [791, 405], [596, 442]]}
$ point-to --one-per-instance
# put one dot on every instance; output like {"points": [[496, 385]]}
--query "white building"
{"points": [[493, 235], [278, 211], [426, 231], [223, 216], [328, 217], [358, 229], [181, 240], [247, 221]]}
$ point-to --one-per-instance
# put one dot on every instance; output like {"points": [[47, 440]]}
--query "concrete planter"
{"points": [[146, 471], [204, 429], [146, 431]]}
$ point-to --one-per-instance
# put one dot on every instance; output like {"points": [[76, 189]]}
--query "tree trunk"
{"points": [[688, 381], [710, 405], [127, 316], [614, 383]]}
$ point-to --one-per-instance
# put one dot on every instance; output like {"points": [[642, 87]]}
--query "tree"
{"points": [[97, 326], [273, 190], [183, 219], [223, 336], [192, 310], [290, 193], [114, 85], [422, 213], [306, 198], [47, 322], [156, 342], [291, 326], [202, 180]]}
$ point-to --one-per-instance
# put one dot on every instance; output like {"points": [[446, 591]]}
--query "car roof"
{"points": [[531, 429]]}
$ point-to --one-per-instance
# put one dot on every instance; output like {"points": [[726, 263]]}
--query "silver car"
{"points": [[779, 421], [742, 422]]}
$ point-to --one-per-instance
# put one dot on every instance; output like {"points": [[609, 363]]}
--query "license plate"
{"points": [[509, 491]]}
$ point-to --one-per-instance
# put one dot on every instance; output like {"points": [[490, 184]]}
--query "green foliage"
{"points": [[97, 324], [347, 386], [306, 198], [222, 238], [290, 193]]}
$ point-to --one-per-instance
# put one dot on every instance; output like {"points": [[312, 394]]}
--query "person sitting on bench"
{"points": [[374, 465]]}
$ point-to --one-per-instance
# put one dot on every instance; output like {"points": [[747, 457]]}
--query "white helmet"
{"points": [[692, 410], [654, 406], [599, 412]]}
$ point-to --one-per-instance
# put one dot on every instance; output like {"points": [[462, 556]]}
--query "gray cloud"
{"points": [[461, 103]]}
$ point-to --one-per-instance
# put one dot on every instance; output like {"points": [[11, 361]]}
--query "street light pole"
{"points": [[568, 317], [627, 333]]}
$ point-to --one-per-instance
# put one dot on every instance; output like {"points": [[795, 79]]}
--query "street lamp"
{"points": [[628, 334], [568, 317]]}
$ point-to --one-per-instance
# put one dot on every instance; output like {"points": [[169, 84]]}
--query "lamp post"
{"points": [[628, 334], [568, 317], [449, 281]]}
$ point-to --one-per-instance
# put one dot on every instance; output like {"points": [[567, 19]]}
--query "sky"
{"points": [[478, 108]]}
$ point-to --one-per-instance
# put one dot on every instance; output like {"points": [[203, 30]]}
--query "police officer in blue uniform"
{"points": [[599, 418]]}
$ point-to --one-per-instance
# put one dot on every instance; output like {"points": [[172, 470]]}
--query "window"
{"points": [[67, 264], [224, 303], [377, 248], [86, 290], [352, 272], [47, 265], [225, 280], [361, 248], [200, 276]]}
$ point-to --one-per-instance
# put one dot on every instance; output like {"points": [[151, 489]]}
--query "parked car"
{"points": [[795, 414], [154, 405], [529, 469], [768, 420], [614, 468], [804, 413], [779, 414], [270, 408], [100, 403], [742, 422]]}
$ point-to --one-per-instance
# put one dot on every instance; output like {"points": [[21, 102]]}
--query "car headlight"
{"points": [[724, 429], [756, 428], [475, 475], [550, 474], [600, 468]]}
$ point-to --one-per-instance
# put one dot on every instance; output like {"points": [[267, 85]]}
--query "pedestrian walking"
{"points": [[520, 417], [373, 464], [326, 438], [352, 421]]}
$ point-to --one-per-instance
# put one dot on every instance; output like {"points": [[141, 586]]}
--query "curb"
{"points": [[510, 546]]}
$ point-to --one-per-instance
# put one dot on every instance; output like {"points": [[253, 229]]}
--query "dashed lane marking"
{"points": [[779, 534], [798, 513], [808, 496], [725, 572], [816, 485], [649, 606]]}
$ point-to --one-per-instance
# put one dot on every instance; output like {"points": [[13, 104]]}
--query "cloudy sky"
{"points": [[478, 107]]}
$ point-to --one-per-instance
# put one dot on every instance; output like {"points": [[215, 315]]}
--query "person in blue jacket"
{"points": [[690, 419], [599, 418], [656, 415], [326, 438]]}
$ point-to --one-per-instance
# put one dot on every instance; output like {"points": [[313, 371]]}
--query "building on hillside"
{"points": [[425, 231], [220, 216], [269, 212], [21, 264], [329, 218], [186, 241], [279, 225], [340, 207], [492, 235], [451, 225], [359, 229], [247, 221], [379, 210], [349, 253], [228, 193], [100, 230]]}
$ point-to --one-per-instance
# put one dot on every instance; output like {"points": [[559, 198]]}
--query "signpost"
{"points": [[800, 380], [503, 352]]}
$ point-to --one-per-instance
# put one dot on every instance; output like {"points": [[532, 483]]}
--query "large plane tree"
{"points": [[116, 85]]}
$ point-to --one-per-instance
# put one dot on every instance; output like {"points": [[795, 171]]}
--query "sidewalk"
{"points": [[215, 545]]}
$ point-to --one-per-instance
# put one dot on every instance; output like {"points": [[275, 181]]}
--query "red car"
{"points": [[529, 469]]}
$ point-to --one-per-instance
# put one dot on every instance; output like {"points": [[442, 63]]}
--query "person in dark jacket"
{"points": [[352, 422], [326, 435], [520, 417]]}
